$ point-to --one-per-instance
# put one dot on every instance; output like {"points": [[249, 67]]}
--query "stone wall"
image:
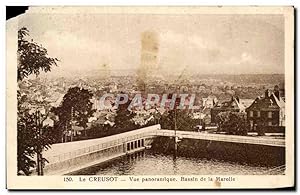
{"points": [[251, 154]]}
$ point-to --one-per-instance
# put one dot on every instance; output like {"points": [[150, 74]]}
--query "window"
{"points": [[128, 146], [270, 123], [251, 124], [270, 114], [251, 113], [258, 113]]}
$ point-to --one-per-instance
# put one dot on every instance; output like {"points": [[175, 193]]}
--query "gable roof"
{"points": [[231, 104], [267, 102]]}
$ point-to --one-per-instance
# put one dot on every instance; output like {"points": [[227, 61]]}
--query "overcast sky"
{"points": [[205, 44]]}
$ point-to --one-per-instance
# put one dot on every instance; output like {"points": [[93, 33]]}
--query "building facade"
{"points": [[232, 105], [267, 113]]}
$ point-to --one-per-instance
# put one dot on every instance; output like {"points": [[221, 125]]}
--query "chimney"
{"points": [[238, 99], [276, 91]]}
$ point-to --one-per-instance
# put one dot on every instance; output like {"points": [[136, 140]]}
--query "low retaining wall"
{"points": [[233, 152], [72, 156]]}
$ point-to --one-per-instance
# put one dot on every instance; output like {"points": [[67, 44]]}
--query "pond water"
{"points": [[151, 163]]}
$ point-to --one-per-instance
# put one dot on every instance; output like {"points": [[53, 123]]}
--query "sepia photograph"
{"points": [[150, 97]]}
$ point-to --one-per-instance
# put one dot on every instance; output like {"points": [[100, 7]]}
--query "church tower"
{"points": [[149, 58]]}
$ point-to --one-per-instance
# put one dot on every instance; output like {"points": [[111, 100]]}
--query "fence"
{"points": [[54, 156]]}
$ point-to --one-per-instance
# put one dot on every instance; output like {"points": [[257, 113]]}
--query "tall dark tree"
{"points": [[179, 119], [234, 123], [32, 136], [123, 119], [76, 106]]}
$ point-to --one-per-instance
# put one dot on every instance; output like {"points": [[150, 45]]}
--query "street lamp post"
{"points": [[175, 128], [39, 147]]}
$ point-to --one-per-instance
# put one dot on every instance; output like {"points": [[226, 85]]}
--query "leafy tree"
{"points": [[98, 130], [124, 121], [76, 106], [32, 58], [124, 118], [222, 119], [182, 118], [32, 136], [234, 123]]}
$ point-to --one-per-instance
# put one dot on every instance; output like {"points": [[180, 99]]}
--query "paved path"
{"points": [[68, 150], [224, 138], [63, 151]]}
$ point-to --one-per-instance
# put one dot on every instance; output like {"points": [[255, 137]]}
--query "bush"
{"points": [[233, 123]]}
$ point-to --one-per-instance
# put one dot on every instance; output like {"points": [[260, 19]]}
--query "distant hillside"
{"points": [[245, 78], [237, 79]]}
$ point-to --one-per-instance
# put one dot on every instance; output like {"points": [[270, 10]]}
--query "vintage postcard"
{"points": [[150, 98]]}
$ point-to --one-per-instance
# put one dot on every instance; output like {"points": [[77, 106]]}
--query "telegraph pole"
{"points": [[39, 147], [175, 128], [71, 123]]}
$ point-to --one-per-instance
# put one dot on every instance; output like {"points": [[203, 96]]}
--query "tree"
{"points": [[124, 118], [182, 118], [234, 123], [76, 108], [32, 58], [32, 136]]}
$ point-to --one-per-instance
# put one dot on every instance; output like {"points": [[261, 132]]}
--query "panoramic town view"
{"points": [[151, 95]]}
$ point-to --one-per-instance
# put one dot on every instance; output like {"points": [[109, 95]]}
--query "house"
{"points": [[207, 116], [246, 102], [232, 105], [207, 104], [209, 101], [203, 116], [267, 113]]}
